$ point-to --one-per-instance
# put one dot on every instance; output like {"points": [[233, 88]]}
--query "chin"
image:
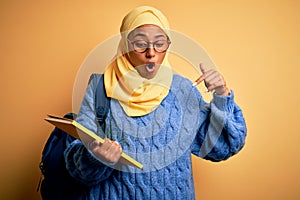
{"points": [[148, 75]]}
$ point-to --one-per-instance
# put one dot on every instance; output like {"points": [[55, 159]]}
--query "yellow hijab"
{"points": [[137, 96]]}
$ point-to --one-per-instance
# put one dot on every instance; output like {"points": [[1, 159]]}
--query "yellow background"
{"points": [[255, 44]]}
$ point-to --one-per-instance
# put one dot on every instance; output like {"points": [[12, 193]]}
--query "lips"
{"points": [[150, 67]]}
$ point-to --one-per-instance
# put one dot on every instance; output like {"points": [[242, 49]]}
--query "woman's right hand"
{"points": [[110, 151]]}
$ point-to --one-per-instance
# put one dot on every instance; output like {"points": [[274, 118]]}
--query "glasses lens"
{"points": [[161, 45], [140, 45]]}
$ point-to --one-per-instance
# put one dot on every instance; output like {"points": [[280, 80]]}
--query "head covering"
{"points": [[137, 96]]}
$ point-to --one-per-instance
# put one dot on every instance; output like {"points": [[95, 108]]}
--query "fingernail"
{"points": [[194, 84]]}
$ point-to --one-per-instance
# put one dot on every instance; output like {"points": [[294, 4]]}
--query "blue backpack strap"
{"points": [[102, 102]]}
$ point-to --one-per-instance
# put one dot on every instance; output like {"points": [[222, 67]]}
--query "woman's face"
{"points": [[149, 38]]}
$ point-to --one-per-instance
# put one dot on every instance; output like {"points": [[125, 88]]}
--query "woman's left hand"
{"points": [[213, 80]]}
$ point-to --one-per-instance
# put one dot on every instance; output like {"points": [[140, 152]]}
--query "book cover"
{"points": [[80, 132]]}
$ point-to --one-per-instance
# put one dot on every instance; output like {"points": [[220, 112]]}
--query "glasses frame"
{"points": [[148, 45]]}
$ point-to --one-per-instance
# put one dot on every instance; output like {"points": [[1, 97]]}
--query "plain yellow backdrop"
{"points": [[255, 45]]}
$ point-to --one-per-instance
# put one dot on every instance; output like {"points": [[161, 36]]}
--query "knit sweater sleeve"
{"points": [[222, 129], [80, 162]]}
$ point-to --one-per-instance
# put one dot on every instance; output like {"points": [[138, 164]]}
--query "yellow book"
{"points": [[80, 132]]}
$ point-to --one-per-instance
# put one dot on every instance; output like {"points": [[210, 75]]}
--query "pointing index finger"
{"points": [[202, 68], [202, 77]]}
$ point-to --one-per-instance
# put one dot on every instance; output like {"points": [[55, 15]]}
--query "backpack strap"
{"points": [[102, 102]]}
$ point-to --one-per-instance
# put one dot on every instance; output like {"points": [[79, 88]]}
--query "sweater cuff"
{"points": [[94, 160], [224, 103]]}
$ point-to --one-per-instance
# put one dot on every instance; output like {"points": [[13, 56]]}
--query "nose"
{"points": [[150, 53]]}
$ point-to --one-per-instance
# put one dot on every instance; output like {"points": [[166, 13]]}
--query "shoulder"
{"points": [[94, 78], [180, 82], [183, 88]]}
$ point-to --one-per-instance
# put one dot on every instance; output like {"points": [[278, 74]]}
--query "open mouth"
{"points": [[150, 67]]}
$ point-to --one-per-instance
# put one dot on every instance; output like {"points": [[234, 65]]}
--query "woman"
{"points": [[158, 117]]}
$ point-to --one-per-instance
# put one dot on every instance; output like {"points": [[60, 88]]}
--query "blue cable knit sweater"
{"points": [[162, 141]]}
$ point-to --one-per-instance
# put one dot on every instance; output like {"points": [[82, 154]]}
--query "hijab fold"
{"points": [[137, 96]]}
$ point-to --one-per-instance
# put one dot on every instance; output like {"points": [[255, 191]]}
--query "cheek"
{"points": [[161, 58], [135, 59]]}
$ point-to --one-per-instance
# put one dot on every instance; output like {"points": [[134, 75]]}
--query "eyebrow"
{"points": [[144, 35]]}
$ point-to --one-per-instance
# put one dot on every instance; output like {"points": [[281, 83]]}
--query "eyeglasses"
{"points": [[142, 46]]}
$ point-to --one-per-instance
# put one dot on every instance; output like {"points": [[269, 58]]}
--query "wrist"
{"points": [[224, 92]]}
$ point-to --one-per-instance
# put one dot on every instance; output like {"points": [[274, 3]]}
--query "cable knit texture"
{"points": [[162, 141]]}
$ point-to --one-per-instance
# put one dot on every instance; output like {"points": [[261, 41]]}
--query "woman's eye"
{"points": [[141, 44], [159, 44]]}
